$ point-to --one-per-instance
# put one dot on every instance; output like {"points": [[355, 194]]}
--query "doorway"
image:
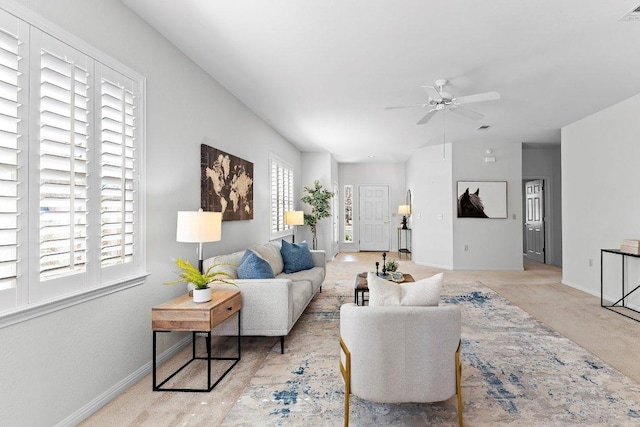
{"points": [[534, 225], [374, 218]]}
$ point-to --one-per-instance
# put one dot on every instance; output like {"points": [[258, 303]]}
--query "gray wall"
{"points": [[599, 196], [91, 351], [441, 237]]}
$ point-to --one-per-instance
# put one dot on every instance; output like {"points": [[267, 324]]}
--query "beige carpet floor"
{"points": [[537, 290]]}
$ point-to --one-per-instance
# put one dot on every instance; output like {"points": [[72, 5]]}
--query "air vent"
{"points": [[484, 127], [634, 15]]}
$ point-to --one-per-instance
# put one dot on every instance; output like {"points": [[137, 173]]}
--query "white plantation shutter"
{"points": [[281, 195], [118, 171], [64, 140], [71, 184], [10, 140]]}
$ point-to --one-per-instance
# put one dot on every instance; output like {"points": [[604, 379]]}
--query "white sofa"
{"points": [[270, 307]]}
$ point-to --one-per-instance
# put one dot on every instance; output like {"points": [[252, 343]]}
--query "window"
{"points": [[281, 196], [71, 151]]}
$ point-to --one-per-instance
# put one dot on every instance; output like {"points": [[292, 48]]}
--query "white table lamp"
{"points": [[199, 227], [294, 218], [404, 210]]}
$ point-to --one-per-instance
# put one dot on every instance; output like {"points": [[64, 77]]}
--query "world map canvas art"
{"points": [[226, 184]]}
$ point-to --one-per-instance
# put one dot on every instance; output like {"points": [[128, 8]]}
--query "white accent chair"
{"points": [[400, 354]]}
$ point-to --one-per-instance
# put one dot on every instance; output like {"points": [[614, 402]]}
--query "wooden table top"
{"points": [[182, 314], [361, 280]]}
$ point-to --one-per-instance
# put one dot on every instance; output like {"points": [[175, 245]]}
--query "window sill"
{"points": [[22, 314]]}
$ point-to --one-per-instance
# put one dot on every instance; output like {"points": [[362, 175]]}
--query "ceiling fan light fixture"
{"points": [[632, 15]]}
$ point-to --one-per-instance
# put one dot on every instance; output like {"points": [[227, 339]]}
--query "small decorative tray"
{"points": [[397, 277]]}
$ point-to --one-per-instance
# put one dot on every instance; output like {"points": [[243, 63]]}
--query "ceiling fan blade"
{"points": [[465, 112], [433, 93], [427, 117], [478, 97], [405, 106]]}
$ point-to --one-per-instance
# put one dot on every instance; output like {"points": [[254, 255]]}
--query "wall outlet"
{"points": [[590, 262], [439, 216], [466, 248]]}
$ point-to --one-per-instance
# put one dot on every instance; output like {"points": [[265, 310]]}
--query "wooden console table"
{"points": [[182, 314], [622, 302]]}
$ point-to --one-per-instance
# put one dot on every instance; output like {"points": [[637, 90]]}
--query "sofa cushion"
{"points": [[271, 253], [314, 275], [424, 292], [254, 267], [225, 263], [296, 257]]}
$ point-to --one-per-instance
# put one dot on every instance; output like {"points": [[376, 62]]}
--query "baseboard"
{"points": [[607, 298], [580, 288], [87, 410], [424, 264]]}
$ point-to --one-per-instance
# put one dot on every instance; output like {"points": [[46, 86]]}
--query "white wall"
{"points": [[544, 162], [318, 166], [600, 203], [494, 244], [357, 174], [429, 177], [65, 364]]}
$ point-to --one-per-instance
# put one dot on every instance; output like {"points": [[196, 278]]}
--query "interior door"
{"points": [[534, 225], [374, 218]]}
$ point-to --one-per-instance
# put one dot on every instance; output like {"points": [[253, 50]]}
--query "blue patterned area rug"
{"points": [[516, 371]]}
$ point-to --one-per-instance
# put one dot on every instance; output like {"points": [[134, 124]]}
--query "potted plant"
{"points": [[318, 198], [391, 265], [200, 281]]}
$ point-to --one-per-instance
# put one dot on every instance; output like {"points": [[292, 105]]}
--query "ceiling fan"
{"points": [[439, 100]]}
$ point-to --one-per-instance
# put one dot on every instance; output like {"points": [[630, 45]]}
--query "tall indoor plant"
{"points": [[318, 198]]}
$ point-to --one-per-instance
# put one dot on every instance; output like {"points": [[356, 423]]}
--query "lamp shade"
{"points": [[294, 217], [199, 226], [404, 209]]}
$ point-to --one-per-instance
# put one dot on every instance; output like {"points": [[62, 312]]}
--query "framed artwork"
{"points": [[226, 184], [482, 199]]}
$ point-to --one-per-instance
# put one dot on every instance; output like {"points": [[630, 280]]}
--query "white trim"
{"points": [[274, 158], [135, 274], [31, 311], [93, 406], [65, 36]]}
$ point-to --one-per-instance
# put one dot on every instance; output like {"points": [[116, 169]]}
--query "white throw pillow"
{"points": [[382, 292], [424, 292]]}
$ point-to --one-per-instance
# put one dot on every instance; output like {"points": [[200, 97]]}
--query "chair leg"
{"points": [[459, 385], [345, 370]]}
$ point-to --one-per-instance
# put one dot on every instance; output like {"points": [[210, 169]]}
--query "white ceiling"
{"points": [[320, 72]]}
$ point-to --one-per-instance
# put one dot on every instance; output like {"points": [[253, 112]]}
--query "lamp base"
{"points": [[404, 222]]}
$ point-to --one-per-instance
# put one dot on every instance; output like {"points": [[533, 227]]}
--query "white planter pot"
{"points": [[202, 295]]}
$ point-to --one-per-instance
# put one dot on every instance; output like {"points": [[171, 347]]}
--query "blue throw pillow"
{"points": [[296, 256], [253, 267]]}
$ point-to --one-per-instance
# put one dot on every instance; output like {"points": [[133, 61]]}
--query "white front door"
{"points": [[374, 218]]}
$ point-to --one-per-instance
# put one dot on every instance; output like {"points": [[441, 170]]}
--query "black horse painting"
{"points": [[470, 205]]}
